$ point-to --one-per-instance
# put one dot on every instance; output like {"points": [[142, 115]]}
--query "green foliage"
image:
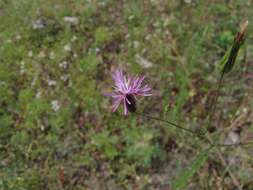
{"points": [[139, 145], [102, 35], [6, 124], [225, 39], [183, 178], [133, 13], [28, 179], [223, 61], [88, 65], [20, 140], [105, 143]]}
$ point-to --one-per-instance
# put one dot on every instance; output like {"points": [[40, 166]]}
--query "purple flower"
{"points": [[126, 89]]}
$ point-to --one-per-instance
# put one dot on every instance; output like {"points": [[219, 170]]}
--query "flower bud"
{"points": [[238, 41]]}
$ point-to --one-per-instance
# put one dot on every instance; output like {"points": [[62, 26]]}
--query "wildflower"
{"points": [[126, 89], [40, 23], [55, 105], [71, 20]]}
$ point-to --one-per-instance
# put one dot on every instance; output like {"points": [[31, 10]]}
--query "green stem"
{"points": [[168, 122], [200, 136]]}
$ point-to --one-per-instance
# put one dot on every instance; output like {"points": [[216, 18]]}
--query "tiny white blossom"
{"points": [[22, 67], [97, 50], [136, 44], [51, 82], [63, 64], [51, 55], [55, 105], [131, 17], [18, 37], [30, 53], [71, 20], [67, 47], [64, 78], [232, 138], [42, 54], [38, 94], [148, 37], [42, 127], [73, 39], [188, 1], [39, 24], [143, 62]]}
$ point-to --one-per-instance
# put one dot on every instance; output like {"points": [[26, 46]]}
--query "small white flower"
{"points": [[63, 64], [131, 17], [2, 82], [51, 82], [51, 55], [39, 24], [148, 37], [55, 105], [64, 78], [30, 53], [187, 1], [42, 127], [136, 44], [22, 63], [38, 94], [97, 50], [71, 20], [67, 47], [22, 67], [102, 3], [73, 39], [42, 54], [232, 138], [143, 62], [18, 37]]}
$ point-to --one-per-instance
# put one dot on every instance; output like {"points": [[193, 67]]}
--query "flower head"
{"points": [[126, 89]]}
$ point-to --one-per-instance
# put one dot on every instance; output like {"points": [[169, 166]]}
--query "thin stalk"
{"points": [[168, 122], [214, 103], [200, 136], [217, 96]]}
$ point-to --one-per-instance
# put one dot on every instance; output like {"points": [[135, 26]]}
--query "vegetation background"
{"points": [[56, 128]]}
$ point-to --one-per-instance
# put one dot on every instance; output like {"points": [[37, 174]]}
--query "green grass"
{"points": [[80, 144]]}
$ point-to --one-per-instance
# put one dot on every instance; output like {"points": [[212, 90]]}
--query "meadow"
{"points": [[57, 130]]}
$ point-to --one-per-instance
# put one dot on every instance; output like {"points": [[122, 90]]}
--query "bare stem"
{"points": [[168, 122], [217, 96], [214, 103], [200, 136]]}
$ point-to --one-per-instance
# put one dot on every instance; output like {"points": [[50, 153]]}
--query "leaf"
{"points": [[185, 175], [88, 65], [223, 61], [231, 59]]}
